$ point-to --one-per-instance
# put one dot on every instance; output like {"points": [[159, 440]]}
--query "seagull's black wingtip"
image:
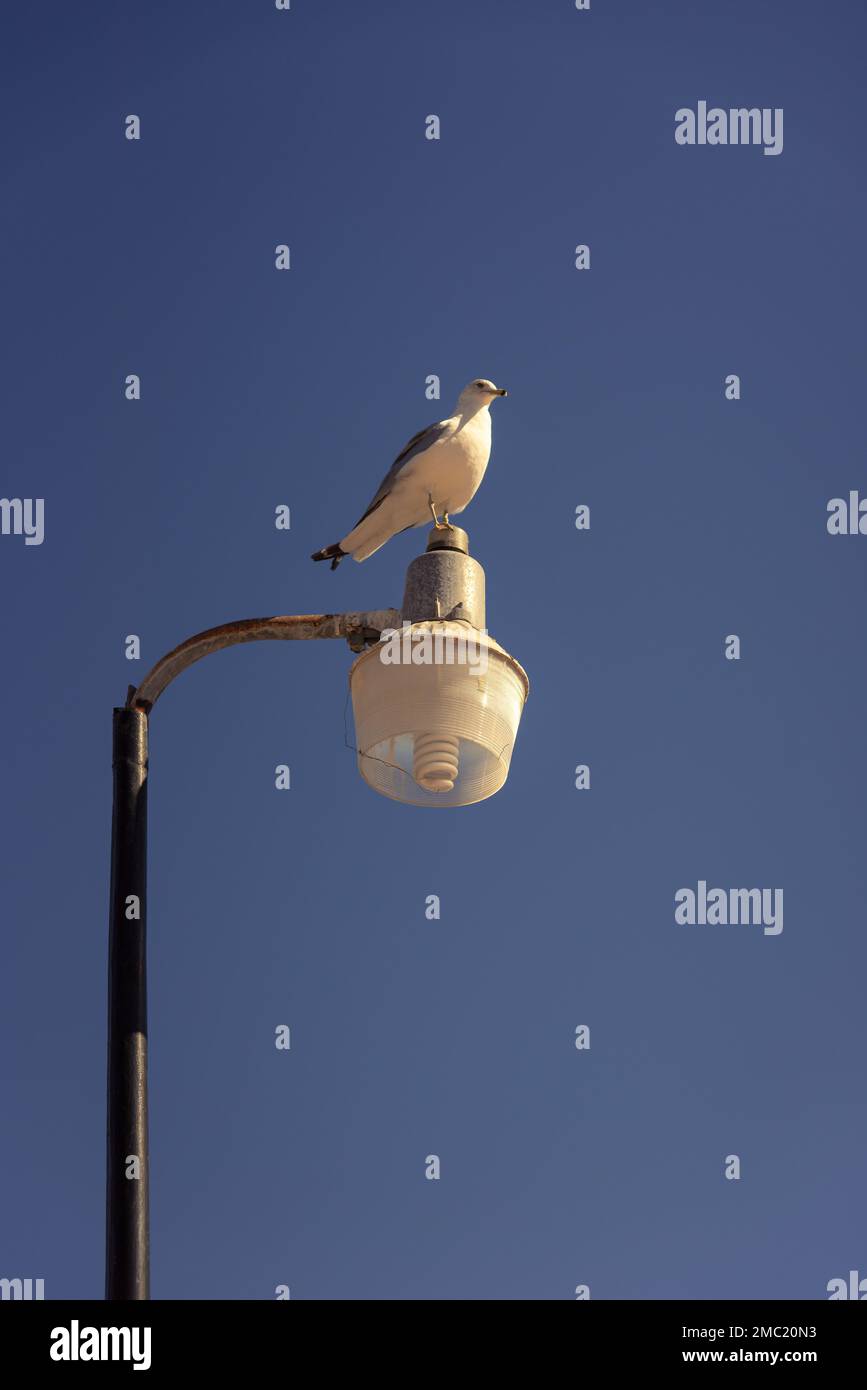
{"points": [[330, 552]]}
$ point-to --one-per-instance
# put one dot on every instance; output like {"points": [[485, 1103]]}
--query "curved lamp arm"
{"points": [[359, 629], [127, 1235]]}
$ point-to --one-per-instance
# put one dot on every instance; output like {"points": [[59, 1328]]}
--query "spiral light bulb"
{"points": [[435, 761]]}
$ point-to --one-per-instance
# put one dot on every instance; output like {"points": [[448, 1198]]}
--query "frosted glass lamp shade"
{"points": [[436, 709]]}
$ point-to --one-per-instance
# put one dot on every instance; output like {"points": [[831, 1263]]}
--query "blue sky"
{"points": [[454, 257]]}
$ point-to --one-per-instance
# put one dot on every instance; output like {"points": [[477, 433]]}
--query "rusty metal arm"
{"points": [[127, 1261], [127, 1204], [359, 629]]}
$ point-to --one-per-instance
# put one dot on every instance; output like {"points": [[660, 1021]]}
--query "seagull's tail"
{"points": [[332, 553]]}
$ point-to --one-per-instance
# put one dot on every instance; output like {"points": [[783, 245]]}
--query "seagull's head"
{"points": [[478, 394]]}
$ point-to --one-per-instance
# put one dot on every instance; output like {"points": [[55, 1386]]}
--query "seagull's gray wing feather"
{"points": [[417, 445]]}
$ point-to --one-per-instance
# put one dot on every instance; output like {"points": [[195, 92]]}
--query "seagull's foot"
{"points": [[440, 525]]}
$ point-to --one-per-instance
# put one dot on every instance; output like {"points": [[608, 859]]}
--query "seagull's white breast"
{"points": [[450, 471]]}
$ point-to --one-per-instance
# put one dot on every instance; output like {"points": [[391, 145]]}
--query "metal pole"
{"points": [[127, 1237]]}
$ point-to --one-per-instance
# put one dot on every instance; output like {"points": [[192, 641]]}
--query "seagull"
{"points": [[436, 474]]}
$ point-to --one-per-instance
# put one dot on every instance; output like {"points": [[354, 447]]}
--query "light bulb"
{"points": [[435, 761]]}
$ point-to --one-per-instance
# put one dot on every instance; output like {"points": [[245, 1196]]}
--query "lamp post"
{"points": [[437, 706]]}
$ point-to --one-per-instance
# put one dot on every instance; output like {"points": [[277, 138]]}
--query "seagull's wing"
{"points": [[417, 445]]}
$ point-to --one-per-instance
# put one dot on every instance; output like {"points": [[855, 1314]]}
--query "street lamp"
{"points": [[437, 704]]}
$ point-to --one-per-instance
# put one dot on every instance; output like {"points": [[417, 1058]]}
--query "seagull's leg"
{"points": [[433, 511], [446, 521]]}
